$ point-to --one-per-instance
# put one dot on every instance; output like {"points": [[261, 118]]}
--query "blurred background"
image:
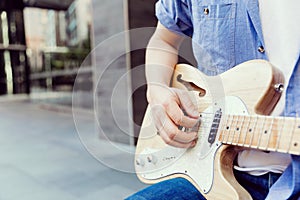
{"points": [[44, 42], [53, 57]]}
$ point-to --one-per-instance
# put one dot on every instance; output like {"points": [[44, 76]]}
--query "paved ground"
{"points": [[43, 158]]}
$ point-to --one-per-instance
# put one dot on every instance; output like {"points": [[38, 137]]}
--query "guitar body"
{"points": [[247, 89]]}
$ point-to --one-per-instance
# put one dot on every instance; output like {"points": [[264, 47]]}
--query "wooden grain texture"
{"points": [[253, 83]]}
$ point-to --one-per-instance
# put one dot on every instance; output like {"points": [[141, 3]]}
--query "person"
{"points": [[230, 32]]}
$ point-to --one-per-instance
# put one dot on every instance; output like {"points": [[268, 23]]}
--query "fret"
{"points": [[265, 133], [295, 142], [270, 133], [243, 122], [282, 120], [280, 134], [286, 135], [229, 127], [261, 130], [245, 129], [224, 122], [275, 130], [232, 129], [236, 130], [256, 132], [240, 137], [292, 133], [250, 131]]}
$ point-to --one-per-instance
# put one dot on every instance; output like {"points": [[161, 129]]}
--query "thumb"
{"points": [[187, 104]]}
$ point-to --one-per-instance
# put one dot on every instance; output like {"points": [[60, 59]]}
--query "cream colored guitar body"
{"points": [[251, 88]]}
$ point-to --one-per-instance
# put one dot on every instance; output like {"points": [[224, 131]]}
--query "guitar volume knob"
{"points": [[152, 159], [139, 162]]}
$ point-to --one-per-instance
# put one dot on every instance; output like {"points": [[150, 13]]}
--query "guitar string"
{"points": [[292, 135], [263, 117], [251, 145], [277, 124], [270, 131], [258, 124], [245, 137], [249, 118], [258, 146]]}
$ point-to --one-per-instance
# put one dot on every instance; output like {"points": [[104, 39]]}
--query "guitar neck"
{"points": [[268, 133]]}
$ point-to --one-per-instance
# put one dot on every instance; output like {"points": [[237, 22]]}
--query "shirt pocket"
{"points": [[214, 29]]}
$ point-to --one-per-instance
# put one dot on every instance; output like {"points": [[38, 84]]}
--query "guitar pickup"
{"points": [[214, 126]]}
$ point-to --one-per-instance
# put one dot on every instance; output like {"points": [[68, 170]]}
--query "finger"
{"points": [[175, 143], [176, 114], [177, 135], [174, 137], [187, 104], [158, 116]]}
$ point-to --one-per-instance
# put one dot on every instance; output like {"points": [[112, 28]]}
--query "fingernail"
{"points": [[194, 143]]}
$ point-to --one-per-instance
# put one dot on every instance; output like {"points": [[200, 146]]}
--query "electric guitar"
{"points": [[234, 109]]}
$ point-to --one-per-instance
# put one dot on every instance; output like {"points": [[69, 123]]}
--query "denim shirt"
{"points": [[226, 33], [229, 35]]}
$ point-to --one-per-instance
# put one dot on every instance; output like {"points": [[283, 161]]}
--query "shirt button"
{"points": [[261, 49], [206, 11]]}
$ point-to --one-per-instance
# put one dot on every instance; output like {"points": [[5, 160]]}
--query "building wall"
{"points": [[141, 16], [36, 23], [14, 70], [51, 29], [112, 86], [84, 18], [50, 49], [78, 20], [61, 35]]}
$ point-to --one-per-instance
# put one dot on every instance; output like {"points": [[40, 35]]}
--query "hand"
{"points": [[167, 105]]}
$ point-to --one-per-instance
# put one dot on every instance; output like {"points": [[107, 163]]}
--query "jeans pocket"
{"points": [[214, 29]]}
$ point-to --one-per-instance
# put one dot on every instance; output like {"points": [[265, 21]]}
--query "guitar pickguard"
{"points": [[197, 162]]}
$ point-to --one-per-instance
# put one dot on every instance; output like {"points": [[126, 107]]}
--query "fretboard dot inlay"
{"points": [[250, 130], [266, 132], [295, 144]]}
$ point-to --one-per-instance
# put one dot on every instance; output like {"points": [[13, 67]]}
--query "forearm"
{"points": [[167, 103], [161, 58]]}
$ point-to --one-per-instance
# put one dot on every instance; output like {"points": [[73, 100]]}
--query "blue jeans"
{"points": [[180, 188]]}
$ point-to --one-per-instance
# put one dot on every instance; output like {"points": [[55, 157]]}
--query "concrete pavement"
{"points": [[43, 158]]}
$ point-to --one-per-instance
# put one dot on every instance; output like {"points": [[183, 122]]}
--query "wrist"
{"points": [[155, 89]]}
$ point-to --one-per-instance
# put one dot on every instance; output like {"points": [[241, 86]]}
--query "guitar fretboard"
{"points": [[268, 133]]}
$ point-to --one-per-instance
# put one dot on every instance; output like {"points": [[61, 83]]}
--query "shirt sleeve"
{"points": [[175, 15]]}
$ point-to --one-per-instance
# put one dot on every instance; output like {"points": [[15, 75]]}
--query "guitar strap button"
{"points": [[261, 49], [279, 87]]}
